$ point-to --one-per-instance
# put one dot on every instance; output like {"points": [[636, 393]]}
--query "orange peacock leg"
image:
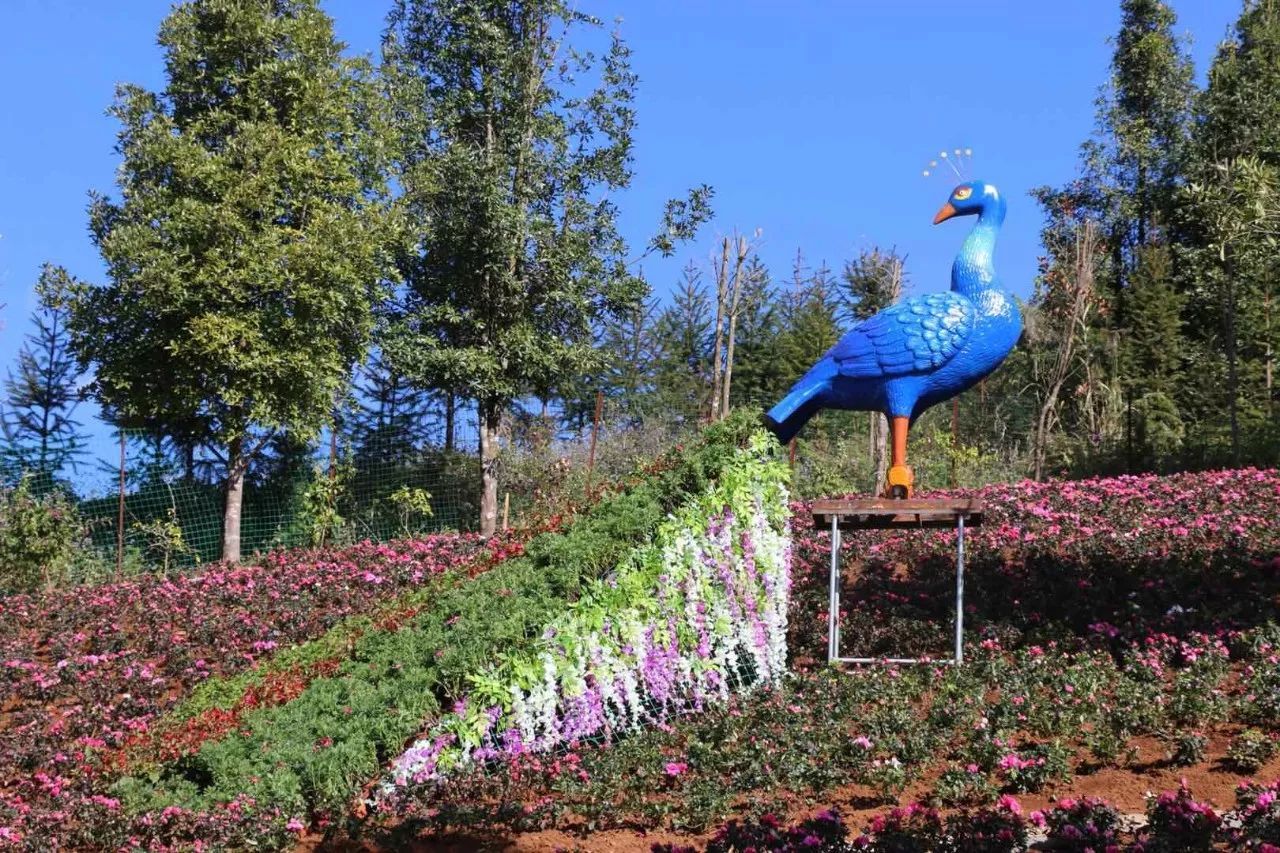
{"points": [[900, 478]]}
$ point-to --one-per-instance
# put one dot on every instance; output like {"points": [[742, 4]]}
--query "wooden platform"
{"points": [[886, 514]]}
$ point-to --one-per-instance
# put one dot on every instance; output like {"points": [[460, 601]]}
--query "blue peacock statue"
{"points": [[922, 350]]}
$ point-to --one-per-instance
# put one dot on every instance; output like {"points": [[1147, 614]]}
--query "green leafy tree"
{"points": [[1136, 161], [512, 141], [42, 437], [246, 249], [1230, 220]]}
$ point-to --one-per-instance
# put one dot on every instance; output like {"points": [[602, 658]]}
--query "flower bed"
{"points": [[1099, 636], [1109, 622], [303, 761], [697, 614], [87, 671]]}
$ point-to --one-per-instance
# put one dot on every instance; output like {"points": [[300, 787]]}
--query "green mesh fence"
{"points": [[158, 507]]}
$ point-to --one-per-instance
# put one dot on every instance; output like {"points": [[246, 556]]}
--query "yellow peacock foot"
{"points": [[900, 481]]}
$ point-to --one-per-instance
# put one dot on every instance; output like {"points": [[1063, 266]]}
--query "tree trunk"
{"points": [[722, 286], [450, 416], [734, 308], [234, 501], [880, 450], [1233, 373], [489, 417]]}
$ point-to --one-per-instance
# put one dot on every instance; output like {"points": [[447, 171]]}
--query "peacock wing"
{"points": [[916, 335]]}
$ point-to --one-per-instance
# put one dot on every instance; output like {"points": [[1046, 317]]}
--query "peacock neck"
{"points": [[974, 268]]}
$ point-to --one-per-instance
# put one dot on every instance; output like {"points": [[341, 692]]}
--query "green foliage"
{"points": [[393, 680], [40, 537], [412, 505], [41, 436], [245, 251], [1250, 750], [165, 540], [1187, 748]]}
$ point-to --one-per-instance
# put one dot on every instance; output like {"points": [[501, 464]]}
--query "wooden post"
{"points": [[793, 454], [595, 430], [506, 509], [120, 518]]}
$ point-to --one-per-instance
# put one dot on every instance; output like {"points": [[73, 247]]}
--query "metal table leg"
{"points": [[833, 605], [959, 589]]}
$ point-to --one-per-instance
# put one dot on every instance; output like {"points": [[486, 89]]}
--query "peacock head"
{"points": [[973, 197]]}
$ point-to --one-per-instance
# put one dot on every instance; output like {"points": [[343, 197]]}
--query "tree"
{"points": [[629, 379], [1067, 300], [1132, 169], [731, 270], [757, 377], [1239, 207], [1137, 159], [871, 283], [684, 341], [246, 250], [1153, 357], [41, 435], [1230, 220], [508, 157], [810, 319], [390, 412]]}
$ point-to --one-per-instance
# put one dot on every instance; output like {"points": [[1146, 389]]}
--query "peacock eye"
{"points": [[963, 193]]}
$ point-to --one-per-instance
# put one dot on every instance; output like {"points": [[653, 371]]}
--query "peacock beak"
{"points": [[946, 213]]}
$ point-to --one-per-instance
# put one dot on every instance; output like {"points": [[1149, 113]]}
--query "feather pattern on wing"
{"points": [[916, 335]]}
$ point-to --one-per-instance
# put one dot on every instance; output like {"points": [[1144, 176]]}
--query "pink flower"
{"points": [[675, 768], [863, 741], [295, 825], [1010, 804]]}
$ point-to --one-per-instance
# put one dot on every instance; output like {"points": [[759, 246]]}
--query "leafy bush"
{"points": [[1250, 750], [1187, 748], [1085, 824], [1258, 817], [39, 538], [1176, 821]]}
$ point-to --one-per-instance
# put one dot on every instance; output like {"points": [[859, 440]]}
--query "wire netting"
{"points": [[147, 502]]}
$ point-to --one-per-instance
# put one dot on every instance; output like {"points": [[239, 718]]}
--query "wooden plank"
{"points": [[885, 513]]}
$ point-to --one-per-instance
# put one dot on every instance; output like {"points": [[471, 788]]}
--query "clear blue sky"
{"points": [[812, 120]]}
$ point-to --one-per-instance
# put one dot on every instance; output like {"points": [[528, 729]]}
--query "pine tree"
{"points": [[871, 282], [42, 438], [757, 376], [810, 319], [684, 341], [511, 141], [246, 249], [629, 379], [1138, 157], [1155, 338], [390, 416]]}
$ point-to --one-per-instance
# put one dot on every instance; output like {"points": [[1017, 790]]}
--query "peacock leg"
{"points": [[900, 478]]}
